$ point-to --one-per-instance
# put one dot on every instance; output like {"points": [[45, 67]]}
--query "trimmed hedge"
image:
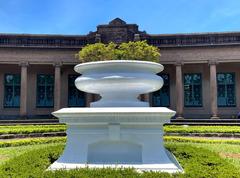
{"points": [[201, 129], [26, 129], [198, 140], [197, 162], [35, 141], [31, 141]]}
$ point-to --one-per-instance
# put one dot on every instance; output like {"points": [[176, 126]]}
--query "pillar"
{"points": [[23, 90], [179, 91], [213, 90], [57, 86]]}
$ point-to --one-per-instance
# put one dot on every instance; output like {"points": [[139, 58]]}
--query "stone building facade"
{"points": [[202, 76]]}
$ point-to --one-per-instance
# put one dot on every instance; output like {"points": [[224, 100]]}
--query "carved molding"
{"points": [[57, 64], [213, 62], [179, 63], [24, 64]]}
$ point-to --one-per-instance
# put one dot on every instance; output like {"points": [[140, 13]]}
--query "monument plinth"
{"points": [[118, 130]]}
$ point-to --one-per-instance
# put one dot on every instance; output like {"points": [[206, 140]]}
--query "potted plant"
{"points": [[119, 73]]}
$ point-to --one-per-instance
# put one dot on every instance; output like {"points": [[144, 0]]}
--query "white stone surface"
{"points": [[116, 137], [119, 82], [118, 130]]}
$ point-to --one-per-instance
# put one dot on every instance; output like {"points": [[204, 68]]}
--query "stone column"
{"points": [[179, 91], [23, 90], [213, 89], [57, 86]]}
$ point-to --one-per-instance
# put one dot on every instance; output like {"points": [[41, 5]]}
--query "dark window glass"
{"points": [[192, 90], [75, 96], [226, 89], [162, 96], [12, 90], [45, 90]]}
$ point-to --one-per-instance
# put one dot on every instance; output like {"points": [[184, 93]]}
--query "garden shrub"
{"points": [[201, 129], [27, 129], [197, 162], [32, 141], [32, 163], [132, 50], [199, 140]]}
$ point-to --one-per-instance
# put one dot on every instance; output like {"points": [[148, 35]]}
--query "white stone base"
{"points": [[172, 167], [116, 137]]}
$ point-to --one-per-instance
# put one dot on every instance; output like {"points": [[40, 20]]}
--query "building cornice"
{"points": [[119, 31]]}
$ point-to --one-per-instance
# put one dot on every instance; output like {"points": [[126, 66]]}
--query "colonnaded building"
{"points": [[201, 75]]}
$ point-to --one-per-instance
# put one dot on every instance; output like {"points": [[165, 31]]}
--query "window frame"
{"points": [[77, 89], [4, 85], [235, 98], [37, 106], [169, 96], [193, 106]]}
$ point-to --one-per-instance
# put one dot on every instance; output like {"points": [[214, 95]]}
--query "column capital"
{"points": [[57, 64], [136, 37], [24, 64], [213, 62], [179, 63]]}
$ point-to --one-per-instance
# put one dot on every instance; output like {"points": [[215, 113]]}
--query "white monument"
{"points": [[118, 130]]}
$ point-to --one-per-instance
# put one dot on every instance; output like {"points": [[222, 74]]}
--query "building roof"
{"points": [[119, 31]]}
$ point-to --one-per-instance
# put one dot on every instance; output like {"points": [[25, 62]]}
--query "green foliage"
{"points": [[31, 164], [201, 162], [31, 141], [199, 140], [97, 52], [197, 162], [26, 129], [139, 50], [201, 129]]}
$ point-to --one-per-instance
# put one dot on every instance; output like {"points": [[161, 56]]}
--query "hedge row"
{"points": [[35, 141], [197, 162], [199, 140], [32, 141], [201, 129], [26, 129]]}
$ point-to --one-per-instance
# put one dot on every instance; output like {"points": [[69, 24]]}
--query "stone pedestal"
{"points": [[118, 130], [116, 137]]}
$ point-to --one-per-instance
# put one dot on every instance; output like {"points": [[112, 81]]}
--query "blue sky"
{"points": [[153, 16]]}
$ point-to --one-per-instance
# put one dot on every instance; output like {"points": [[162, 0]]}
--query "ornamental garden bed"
{"points": [[197, 162]]}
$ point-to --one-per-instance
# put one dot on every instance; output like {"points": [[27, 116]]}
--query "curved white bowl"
{"points": [[119, 82]]}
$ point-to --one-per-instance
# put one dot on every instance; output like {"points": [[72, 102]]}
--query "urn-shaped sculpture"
{"points": [[119, 82]]}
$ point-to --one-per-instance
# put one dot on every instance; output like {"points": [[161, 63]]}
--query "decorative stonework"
{"points": [[213, 62], [119, 31], [24, 64], [179, 63], [57, 64]]}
